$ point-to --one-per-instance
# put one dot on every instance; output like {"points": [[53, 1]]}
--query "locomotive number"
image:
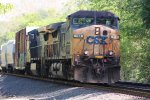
{"points": [[96, 40]]}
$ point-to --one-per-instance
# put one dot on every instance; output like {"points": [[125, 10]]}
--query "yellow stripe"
{"points": [[99, 57]]}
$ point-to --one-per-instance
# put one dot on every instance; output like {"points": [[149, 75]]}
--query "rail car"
{"points": [[10, 52], [7, 56], [85, 48], [22, 56], [0, 59], [3, 57]]}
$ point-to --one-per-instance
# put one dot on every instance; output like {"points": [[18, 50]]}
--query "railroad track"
{"points": [[136, 89], [131, 85]]}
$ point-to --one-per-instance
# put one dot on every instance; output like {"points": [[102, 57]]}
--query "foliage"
{"points": [[5, 8], [74, 5], [145, 13], [39, 18]]}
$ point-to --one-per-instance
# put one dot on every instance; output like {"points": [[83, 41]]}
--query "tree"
{"points": [[5, 8], [145, 12]]}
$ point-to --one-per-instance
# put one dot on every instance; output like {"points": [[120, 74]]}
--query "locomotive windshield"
{"points": [[107, 22], [83, 22], [81, 19]]}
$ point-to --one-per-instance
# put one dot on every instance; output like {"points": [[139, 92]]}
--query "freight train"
{"points": [[86, 48]]}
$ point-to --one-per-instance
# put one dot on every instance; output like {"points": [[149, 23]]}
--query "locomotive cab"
{"points": [[80, 21]]}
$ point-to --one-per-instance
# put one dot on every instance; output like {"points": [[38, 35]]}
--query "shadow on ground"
{"points": [[11, 86]]}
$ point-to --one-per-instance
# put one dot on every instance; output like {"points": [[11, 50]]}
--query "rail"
{"points": [[136, 89]]}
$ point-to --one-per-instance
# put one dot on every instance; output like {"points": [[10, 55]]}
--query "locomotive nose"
{"points": [[89, 41], [95, 41]]}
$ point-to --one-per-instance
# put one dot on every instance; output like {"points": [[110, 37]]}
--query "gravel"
{"points": [[16, 88]]}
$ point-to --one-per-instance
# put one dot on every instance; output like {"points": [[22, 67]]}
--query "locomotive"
{"points": [[85, 48]]}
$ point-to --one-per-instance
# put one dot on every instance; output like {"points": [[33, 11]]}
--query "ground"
{"points": [[16, 88]]}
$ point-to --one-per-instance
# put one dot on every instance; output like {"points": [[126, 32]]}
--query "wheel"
{"points": [[4, 69]]}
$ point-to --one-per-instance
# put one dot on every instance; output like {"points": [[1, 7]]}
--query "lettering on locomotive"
{"points": [[96, 40]]}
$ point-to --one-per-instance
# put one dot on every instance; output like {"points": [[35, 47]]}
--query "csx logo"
{"points": [[96, 39]]}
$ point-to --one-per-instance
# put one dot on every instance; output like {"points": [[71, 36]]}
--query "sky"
{"points": [[25, 6]]}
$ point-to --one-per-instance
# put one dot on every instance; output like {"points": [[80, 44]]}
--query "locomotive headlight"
{"points": [[97, 30], [86, 52], [97, 33], [112, 37], [110, 53]]}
